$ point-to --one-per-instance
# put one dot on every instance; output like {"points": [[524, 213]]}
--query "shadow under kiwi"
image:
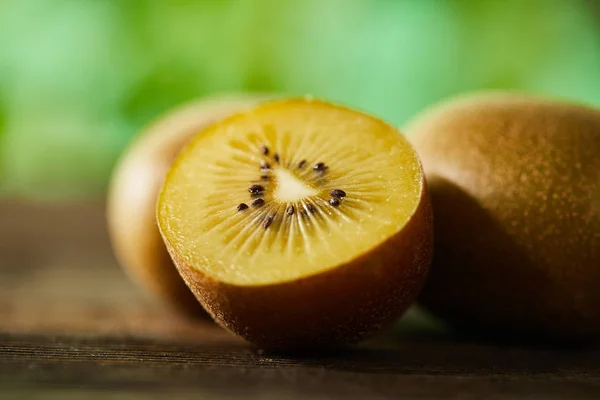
{"points": [[440, 356]]}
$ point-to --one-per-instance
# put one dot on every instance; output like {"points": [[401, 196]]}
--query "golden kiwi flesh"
{"points": [[299, 223], [134, 189], [515, 186]]}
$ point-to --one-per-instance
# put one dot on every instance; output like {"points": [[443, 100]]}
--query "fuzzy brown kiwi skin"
{"points": [[336, 307], [515, 186], [134, 188]]}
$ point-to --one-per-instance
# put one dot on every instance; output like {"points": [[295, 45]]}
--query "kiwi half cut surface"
{"points": [[299, 223]]}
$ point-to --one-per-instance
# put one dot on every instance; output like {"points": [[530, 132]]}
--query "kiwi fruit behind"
{"points": [[134, 189], [515, 187], [299, 223]]}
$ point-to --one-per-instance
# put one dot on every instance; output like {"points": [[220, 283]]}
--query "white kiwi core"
{"points": [[290, 188]]}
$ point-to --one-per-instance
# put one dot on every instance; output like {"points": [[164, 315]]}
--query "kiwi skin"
{"points": [[340, 306], [134, 189], [515, 187]]}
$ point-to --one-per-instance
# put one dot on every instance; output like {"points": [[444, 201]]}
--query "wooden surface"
{"points": [[73, 326]]}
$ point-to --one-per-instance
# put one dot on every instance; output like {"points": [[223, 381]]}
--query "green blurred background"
{"points": [[78, 78]]}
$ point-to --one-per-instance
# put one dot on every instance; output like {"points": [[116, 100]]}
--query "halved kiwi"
{"points": [[299, 223]]}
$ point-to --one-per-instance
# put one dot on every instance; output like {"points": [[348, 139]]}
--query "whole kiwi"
{"points": [[515, 186], [134, 189]]}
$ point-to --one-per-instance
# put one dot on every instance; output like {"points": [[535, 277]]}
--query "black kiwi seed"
{"points": [[334, 202], [338, 193], [320, 167], [242, 207], [258, 203], [264, 150], [311, 208], [302, 164], [267, 222], [276, 157], [265, 166], [265, 177], [256, 189], [289, 210]]}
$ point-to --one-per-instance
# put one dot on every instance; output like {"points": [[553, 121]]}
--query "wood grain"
{"points": [[73, 326]]}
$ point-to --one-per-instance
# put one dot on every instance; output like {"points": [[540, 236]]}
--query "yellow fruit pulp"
{"points": [[366, 158]]}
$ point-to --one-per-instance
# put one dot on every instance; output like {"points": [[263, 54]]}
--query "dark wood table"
{"points": [[73, 326]]}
